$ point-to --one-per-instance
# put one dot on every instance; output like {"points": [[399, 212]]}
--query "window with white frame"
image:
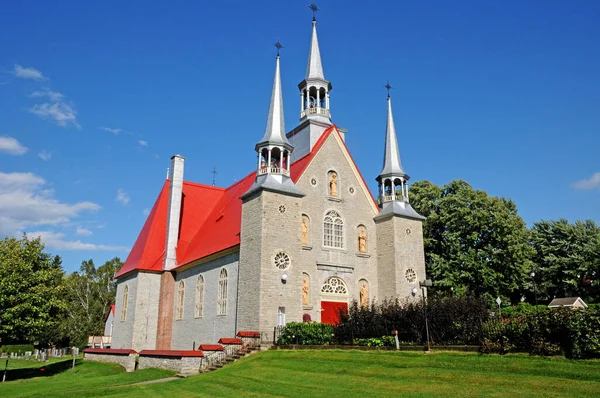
{"points": [[222, 293], [199, 296], [124, 303], [180, 296], [333, 230]]}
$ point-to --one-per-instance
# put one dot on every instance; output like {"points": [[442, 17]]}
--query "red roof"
{"points": [[243, 333], [211, 347], [110, 311], [230, 340], [210, 223]]}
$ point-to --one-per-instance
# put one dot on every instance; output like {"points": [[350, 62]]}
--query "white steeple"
{"points": [[275, 130], [314, 89], [274, 150], [314, 69], [393, 181]]}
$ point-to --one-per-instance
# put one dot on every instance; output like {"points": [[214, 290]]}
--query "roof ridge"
{"points": [[197, 184]]}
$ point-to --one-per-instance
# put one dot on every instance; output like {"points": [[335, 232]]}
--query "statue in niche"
{"points": [[364, 296], [304, 232], [362, 241], [304, 292], [333, 185]]}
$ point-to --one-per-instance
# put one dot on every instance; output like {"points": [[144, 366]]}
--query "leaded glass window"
{"points": [[334, 285], [222, 293], [333, 230], [199, 296], [180, 294]]}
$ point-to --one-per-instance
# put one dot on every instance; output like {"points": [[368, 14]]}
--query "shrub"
{"points": [[18, 348], [306, 333], [306, 318], [384, 341]]}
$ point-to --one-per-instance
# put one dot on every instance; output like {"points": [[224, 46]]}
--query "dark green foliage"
{"points": [[475, 244], [384, 341], [522, 309], [567, 258], [18, 348], [306, 333], [32, 299], [573, 332], [453, 320]]}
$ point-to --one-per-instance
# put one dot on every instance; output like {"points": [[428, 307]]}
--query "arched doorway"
{"points": [[334, 300]]}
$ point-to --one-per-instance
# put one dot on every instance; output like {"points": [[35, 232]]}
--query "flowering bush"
{"points": [[306, 333]]}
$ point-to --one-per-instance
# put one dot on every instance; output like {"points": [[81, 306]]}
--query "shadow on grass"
{"points": [[44, 370]]}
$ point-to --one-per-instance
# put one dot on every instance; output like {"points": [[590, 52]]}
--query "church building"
{"points": [[299, 237]]}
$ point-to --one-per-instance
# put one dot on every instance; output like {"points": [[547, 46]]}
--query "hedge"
{"points": [[17, 348]]}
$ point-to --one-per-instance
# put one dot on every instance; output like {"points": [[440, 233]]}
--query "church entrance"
{"points": [[330, 311], [334, 300]]}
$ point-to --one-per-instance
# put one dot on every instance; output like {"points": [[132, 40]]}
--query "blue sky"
{"points": [[96, 96]]}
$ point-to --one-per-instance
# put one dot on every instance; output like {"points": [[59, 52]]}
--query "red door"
{"points": [[330, 311]]}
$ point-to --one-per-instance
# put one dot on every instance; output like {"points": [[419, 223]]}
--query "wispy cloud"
{"points": [[47, 93], [60, 112], [26, 201], [123, 196], [27, 73], [589, 183], [56, 241], [45, 155], [83, 231], [143, 143], [146, 211], [111, 130], [11, 146]]}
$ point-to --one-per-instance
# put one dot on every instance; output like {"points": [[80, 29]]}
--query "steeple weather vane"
{"points": [[388, 88], [279, 46], [314, 9]]}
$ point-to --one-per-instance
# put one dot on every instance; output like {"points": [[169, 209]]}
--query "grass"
{"points": [[339, 373]]}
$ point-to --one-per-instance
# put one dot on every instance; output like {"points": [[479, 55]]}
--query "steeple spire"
{"points": [[314, 89], [275, 130], [393, 181], [391, 156]]}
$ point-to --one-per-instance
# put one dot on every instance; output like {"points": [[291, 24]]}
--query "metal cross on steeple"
{"points": [[388, 87], [279, 46], [214, 173], [314, 9]]}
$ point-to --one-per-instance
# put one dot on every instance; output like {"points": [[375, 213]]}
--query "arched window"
{"points": [[333, 230], [180, 294], [334, 285], [199, 296], [222, 294], [124, 304]]}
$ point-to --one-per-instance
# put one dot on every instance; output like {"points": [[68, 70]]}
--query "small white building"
{"points": [[573, 302]]}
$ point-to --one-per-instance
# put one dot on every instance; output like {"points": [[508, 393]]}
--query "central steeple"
{"points": [[314, 89]]}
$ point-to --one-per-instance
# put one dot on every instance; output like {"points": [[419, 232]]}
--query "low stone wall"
{"points": [[125, 358], [187, 362], [251, 339]]}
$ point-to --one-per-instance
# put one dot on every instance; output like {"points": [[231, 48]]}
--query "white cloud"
{"points": [[589, 183], [61, 112], [53, 95], [146, 211], [83, 231], [45, 155], [123, 196], [11, 146], [55, 240], [25, 201], [143, 143], [110, 130], [27, 73]]}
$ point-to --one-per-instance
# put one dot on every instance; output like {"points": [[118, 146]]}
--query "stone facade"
{"points": [[127, 361], [185, 365], [209, 327]]}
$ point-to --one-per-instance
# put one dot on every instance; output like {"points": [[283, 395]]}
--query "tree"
{"points": [[567, 258], [474, 244], [31, 291], [90, 293]]}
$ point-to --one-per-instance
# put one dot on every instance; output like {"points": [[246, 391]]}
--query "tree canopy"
{"points": [[475, 244], [32, 300]]}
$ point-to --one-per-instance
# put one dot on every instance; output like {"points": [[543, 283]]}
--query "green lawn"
{"points": [[340, 374]]}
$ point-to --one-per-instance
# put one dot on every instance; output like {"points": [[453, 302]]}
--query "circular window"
{"points": [[411, 275], [282, 209], [351, 190], [408, 231], [282, 260], [313, 182]]}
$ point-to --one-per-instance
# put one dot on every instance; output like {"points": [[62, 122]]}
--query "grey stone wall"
{"points": [[410, 253], [186, 365], [123, 329], [210, 327], [126, 361], [146, 312]]}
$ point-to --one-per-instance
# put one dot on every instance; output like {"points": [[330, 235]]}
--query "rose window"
{"points": [[411, 275], [334, 285], [282, 260]]}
